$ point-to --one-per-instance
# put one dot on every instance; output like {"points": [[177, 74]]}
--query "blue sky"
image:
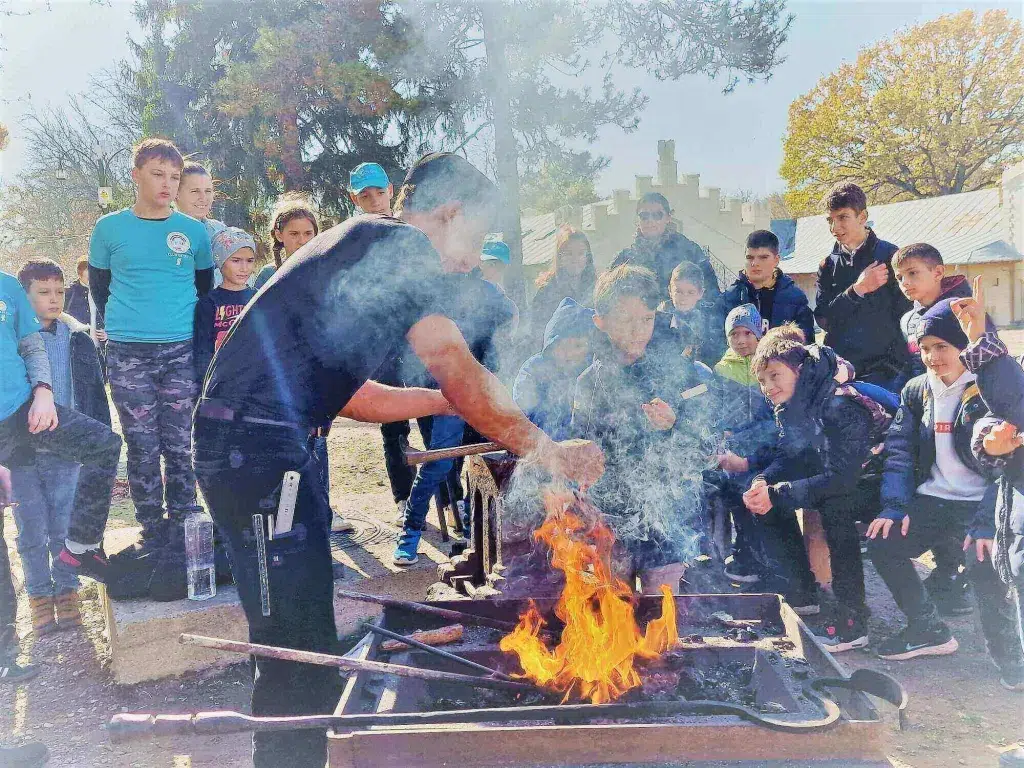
{"points": [[734, 141]]}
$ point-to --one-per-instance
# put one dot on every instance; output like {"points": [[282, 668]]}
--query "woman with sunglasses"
{"points": [[660, 248]]}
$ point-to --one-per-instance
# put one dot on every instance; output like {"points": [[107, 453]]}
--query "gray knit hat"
{"points": [[745, 316], [228, 241]]}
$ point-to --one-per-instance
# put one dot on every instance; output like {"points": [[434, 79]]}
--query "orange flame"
{"points": [[595, 656]]}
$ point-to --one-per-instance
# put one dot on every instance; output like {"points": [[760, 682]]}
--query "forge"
{"points": [[740, 686]]}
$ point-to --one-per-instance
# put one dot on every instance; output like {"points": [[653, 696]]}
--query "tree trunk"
{"points": [[291, 152], [505, 150]]}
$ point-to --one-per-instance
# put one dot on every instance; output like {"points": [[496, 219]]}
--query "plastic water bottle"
{"points": [[202, 580]]}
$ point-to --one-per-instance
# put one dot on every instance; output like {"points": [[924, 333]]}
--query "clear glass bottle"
{"points": [[202, 579]]}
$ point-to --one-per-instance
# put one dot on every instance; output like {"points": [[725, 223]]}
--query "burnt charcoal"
{"points": [[771, 708], [676, 658], [742, 635], [783, 644], [661, 686], [485, 698], [693, 639], [720, 682]]}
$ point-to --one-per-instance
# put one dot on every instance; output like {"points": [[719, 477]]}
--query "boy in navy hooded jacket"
{"points": [[545, 384]]}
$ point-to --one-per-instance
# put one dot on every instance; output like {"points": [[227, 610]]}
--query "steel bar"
{"points": [[350, 665], [430, 610], [435, 651], [413, 458], [124, 727]]}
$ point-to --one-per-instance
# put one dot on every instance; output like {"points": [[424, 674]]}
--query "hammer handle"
{"points": [[412, 458]]}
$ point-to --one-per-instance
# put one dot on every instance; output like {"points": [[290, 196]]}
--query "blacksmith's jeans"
{"points": [[239, 468]]}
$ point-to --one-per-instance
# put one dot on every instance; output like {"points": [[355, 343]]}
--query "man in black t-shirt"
{"points": [[303, 352]]}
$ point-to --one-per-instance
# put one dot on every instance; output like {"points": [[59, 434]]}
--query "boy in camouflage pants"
{"points": [[148, 265]]}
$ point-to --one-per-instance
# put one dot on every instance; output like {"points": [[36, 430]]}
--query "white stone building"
{"points": [[719, 224]]}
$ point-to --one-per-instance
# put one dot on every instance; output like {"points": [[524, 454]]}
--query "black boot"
{"points": [[169, 580], [132, 567], [950, 593], [147, 542]]}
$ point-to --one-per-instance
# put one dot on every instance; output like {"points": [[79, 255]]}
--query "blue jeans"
{"points": [[45, 492], [445, 433], [322, 463]]}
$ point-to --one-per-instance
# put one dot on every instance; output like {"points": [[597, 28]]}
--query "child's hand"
{"points": [[1003, 439], [757, 499], [730, 462], [970, 312], [871, 279], [42, 415], [883, 525], [982, 547], [100, 335], [660, 414]]}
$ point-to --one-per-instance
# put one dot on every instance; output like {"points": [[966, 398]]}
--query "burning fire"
{"points": [[601, 640]]}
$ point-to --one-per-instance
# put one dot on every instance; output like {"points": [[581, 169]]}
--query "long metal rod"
{"points": [[350, 665], [413, 458], [124, 727], [435, 651], [430, 610]]}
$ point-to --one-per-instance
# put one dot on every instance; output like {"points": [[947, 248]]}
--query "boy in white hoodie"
{"points": [[935, 492]]}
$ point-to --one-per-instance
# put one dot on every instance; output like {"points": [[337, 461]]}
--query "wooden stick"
{"points": [[413, 458], [435, 651], [429, 610], [350, 665], [451, 633]]}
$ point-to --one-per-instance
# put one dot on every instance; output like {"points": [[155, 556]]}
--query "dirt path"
{"points": [[959, 716]]}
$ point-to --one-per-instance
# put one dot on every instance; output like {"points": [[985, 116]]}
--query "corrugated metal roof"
{"points": [[539, 238], [966, 228]]}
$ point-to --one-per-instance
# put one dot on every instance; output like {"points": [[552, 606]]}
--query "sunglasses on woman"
{"points": [[651, 215]]}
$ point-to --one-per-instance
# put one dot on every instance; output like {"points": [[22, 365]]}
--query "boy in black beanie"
{"points": [[935, 492]]}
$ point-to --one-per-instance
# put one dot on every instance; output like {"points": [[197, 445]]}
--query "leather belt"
{"points": [[220, 411]]}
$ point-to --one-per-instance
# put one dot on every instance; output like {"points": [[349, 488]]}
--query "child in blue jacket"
{"points": [[935, 491]]}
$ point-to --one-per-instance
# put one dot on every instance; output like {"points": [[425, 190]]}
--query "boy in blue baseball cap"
{"points": [[494, 259], [370, 189]]}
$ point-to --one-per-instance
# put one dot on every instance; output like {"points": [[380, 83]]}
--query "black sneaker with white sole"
{"points": [[842, 632], [13, 673], [92, 563], [914, 641]]}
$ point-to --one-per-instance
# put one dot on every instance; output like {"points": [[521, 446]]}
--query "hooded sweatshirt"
{"points": [[950, 478], [544, 388]]}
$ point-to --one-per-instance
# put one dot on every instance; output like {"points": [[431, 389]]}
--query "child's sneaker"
{"points": [[339, 524], [92, 563], [31, 755], [405, 552], [1012, 758], [399, 519], [13, 673], [69, 610], [1012, 679], [927, 640], [43, 621], [843, 632]]}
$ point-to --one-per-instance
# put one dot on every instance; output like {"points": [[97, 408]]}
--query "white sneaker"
{"points": [[400, 514], [340, 525]]}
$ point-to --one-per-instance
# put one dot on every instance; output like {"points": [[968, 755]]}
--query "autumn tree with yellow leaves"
{"points": [[937, 110]]}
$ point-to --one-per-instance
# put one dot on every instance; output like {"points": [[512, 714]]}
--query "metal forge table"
{"points": [[782, 657]]}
